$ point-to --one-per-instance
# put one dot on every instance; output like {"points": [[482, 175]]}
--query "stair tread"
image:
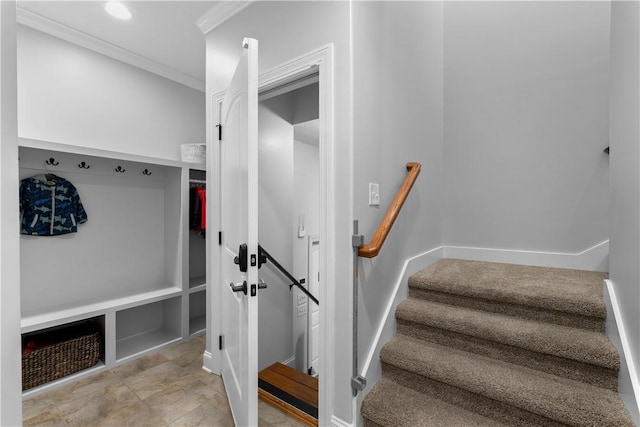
{"points": [[580, 345], [570, 291], [544, 394], [391, 404]]}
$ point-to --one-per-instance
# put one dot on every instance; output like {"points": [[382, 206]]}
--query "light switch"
{"points": [[374, 194]]}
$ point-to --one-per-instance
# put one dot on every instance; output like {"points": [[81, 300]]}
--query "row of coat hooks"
{"points": [[83, 165]]}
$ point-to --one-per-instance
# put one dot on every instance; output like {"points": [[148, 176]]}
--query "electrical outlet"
{"points": [[302, 310], [374, 194]]}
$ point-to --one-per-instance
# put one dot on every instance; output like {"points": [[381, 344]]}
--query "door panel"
{"points": [[239, 224], [313, 309]]}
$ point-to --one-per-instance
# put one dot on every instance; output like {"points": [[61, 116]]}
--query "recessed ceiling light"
{"points": [[118, 10]]}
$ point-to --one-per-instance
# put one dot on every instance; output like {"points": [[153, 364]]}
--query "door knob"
{"points": [[239, 288], [262, 284]]}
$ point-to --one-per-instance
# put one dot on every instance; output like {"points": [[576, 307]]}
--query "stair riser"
{"points": [[499, 411], [524, 312], [594, 375]]}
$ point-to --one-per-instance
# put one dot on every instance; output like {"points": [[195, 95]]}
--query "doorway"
{"points": [[289, 221]]}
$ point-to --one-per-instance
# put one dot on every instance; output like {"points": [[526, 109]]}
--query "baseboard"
{"points": [[628, 384], [207, 362], [595, 258], [291, 362], [371, 368], [337, 422]]}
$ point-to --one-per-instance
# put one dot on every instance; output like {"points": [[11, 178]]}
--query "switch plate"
{"points": [[302, 310], [374, 194]]}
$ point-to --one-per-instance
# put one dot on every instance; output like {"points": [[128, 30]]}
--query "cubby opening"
{"points": [[197, 312], [197, 242], [130, 245], [54, 353], [147, 326]]}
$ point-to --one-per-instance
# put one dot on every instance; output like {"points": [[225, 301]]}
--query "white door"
{"points": [[239, 225], [313, 318]]}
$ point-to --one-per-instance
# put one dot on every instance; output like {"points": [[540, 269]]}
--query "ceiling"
{"points": [[161, 34]]}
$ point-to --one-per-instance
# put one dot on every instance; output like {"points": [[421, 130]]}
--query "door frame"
{"points": [[321, 59]]}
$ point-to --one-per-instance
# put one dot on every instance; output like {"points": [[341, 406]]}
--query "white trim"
{"points": [[61, 31], [595, 258], [338, 422], [220, 13], [411, 266], [628, 385], [207, 363], [290, 361]]}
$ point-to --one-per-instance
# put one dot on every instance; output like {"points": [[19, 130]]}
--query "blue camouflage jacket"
{"points": [[49, 206]]}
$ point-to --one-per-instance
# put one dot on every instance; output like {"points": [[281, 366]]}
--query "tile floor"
{"points": [[165, 388]]}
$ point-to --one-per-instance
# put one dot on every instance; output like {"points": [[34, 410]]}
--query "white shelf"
{"points": [[95, 152], [35, 321], [129, 347]]}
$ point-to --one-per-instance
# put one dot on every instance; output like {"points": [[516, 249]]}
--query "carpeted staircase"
{"points": [[487, 344]]}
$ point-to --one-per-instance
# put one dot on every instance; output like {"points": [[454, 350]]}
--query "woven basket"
{"points": [[59, 360], [193, 153]]}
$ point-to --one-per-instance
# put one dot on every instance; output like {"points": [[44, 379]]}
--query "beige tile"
{"points": [[179, 398], [134, 415], [154, 380], [185, 352], [138, 365], [83, 387], [271, 416], [89, 409], [41, 411], [214, 413]]}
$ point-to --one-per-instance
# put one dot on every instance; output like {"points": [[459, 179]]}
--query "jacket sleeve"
{"points": [[79, 212]]}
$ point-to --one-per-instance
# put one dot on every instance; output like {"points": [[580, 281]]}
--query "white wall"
{"points": [[10, 373], [526, 120], [73, 95], [286, 30], [624, 204], [398, 113], [275, 199]]}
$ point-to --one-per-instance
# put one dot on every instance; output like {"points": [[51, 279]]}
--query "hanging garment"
{"points": [[195, 210], [202, 195], [49, 206]]}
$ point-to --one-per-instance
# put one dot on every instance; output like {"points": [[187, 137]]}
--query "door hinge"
{"points": [[219, 238], [220, 342], [219, 126]]}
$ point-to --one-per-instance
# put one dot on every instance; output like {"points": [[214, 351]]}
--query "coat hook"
{"points": [[83, 165], [119, 169], [146, 172], [52, 161]]}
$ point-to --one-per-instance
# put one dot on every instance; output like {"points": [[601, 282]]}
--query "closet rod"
{"points": [[198, 181]]}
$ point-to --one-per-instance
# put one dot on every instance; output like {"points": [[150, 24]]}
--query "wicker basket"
{"points": [[193, 153], [60, 359]]}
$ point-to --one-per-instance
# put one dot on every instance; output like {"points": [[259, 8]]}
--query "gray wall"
{"points": [[398, 118], [624, 265], [526, 119], [275, 198], [76, 96]]}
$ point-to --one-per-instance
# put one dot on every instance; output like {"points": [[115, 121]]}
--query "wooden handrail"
{"points": [[372, 248]]}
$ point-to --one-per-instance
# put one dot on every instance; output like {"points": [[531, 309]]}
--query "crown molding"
{"points": [[219, 13], [61, 31]]}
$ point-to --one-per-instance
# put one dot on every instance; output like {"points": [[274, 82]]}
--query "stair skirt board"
{"points": [[290, 391], [500, 373]]}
